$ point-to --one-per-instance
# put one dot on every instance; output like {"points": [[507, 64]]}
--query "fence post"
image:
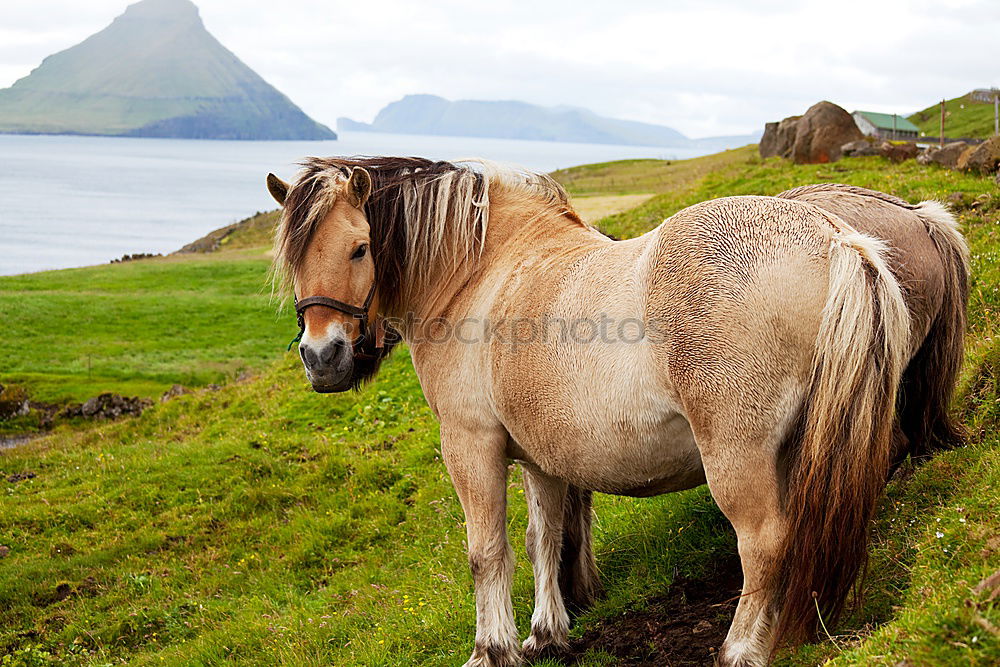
{"points": [[941, 139]]}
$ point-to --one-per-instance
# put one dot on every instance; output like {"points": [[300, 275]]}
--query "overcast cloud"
{"points": [[704, 68]]}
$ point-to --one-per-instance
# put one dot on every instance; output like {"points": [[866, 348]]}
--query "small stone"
{"points": [[174, 391], [702, 626]]}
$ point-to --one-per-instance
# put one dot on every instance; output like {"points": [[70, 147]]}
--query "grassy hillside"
{"points": [[966, 118], [263, 524]]}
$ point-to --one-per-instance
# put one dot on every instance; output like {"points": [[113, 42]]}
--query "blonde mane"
{"points": [[425, 216]]}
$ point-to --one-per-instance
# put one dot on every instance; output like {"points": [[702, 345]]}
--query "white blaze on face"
{"points": [[318, 340]]}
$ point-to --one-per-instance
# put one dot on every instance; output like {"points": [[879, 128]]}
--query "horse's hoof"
{"points": [[494, 655], [543, 645]]}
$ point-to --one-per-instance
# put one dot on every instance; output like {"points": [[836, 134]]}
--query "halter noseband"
{"points": [[366, 345]]}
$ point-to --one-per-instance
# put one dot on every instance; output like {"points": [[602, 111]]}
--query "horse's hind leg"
{"points": [[546, 497], [579, 580], [742, 475]]}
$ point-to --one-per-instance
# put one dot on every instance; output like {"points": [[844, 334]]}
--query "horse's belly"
{"points": [[628, 459]]}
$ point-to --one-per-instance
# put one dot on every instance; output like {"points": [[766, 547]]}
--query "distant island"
{"points": [[430, 114], [154, 72]]}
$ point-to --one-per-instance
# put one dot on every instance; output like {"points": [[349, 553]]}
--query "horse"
{"points": [[788, 351]]}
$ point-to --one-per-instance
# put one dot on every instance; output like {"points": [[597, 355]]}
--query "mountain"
{"points": [[429, 114], [154, 72]]}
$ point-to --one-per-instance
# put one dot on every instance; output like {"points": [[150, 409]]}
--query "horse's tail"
{"points": [[838, 453], [928, 382]]}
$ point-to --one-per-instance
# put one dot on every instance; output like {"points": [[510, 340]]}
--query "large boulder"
{"points": [[768, 145], [898, 152], [821, 132], [779, 137], [945, 156], [985, 158], [859, 148]]}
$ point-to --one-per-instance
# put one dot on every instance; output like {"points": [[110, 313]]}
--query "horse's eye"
{"points": [[360, 252]]}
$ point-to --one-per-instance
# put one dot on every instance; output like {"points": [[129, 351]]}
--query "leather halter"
{"points": [[367, 345]]}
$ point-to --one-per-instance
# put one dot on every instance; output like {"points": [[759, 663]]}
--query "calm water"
{"points": [[76, 201]]}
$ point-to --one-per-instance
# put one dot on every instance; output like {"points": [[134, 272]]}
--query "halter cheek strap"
{"points": [[364, 340]]}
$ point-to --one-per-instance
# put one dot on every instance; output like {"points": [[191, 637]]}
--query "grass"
{"points": [[967, 118], [625, 177], [139, 327], [265, 524]]}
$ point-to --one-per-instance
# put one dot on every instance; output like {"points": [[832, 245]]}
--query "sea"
{"points": [[68, 201]]}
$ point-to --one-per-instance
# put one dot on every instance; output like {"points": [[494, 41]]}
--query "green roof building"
{"points": [[885, 125]]}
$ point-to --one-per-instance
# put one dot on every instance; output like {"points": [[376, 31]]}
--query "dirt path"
{"points": [[592, 209]]}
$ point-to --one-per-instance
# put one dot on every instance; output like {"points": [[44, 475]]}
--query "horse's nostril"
{"points": [[309, 357], [331, 352]]}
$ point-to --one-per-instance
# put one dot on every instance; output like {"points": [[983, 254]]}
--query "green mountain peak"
{"points": [[155, 71]]}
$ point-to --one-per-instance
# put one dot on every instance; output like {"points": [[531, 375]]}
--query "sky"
{"points": [[707, 67]]}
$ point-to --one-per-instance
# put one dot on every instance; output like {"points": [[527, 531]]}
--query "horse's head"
{"points": [[324, 244]]}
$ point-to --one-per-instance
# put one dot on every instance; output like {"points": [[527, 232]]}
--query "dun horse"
{"points": [[785, 350]]}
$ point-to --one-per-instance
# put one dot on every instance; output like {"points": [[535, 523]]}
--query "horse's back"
{"points": [[913, 257], [738, 285]]}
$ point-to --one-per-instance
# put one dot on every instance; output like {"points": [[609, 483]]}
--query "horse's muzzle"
{"points": [[329, 368]]}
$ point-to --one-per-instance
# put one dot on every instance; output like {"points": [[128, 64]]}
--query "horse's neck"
{"points": [[516, 232]]}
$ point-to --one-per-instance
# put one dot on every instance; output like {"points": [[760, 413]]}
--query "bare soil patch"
{"points": [[685, 627]]}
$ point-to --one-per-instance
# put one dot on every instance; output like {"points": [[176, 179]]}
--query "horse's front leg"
{"points": [[477, 462], [546, 497]]}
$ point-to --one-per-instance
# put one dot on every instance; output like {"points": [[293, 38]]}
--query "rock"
{"points": [[985, 158], [768, 146], [701, 626], [963, 160], [898, 152], [821, 132], [779, 137], [135, 256], [174, 391], [957, 198], [859, 148], [4, 550], [108, 406], [13, 402], [946, 156]]}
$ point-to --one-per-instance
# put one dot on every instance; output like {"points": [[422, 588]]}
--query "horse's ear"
{"points": [[359, 187], [278, 188]]}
